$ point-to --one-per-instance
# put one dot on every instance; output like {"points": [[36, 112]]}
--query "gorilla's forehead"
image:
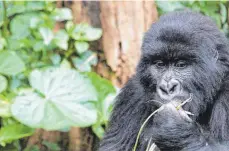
{"points": [[171, 49]]}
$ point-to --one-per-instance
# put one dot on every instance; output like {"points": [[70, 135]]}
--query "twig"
{"points": [[143, 125], [183, 103]]}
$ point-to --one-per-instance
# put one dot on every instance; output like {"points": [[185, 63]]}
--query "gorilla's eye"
{"points": [[181, 64], [159, 63]]}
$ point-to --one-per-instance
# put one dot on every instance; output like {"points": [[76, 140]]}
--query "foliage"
{"points": [[217, 10], [46, 78]]}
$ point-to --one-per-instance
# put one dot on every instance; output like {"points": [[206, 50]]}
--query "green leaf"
{"points": [[61, 39], [69, 26], [35, 5], [62, 14], [92, 34], [19, 25], [14, 132], [223, 12], [107, 106], [3, 83], [98, 130], [39, 46], [47, 35], [81, 47], [51, 146], [55, 58], [65, 64], [83, 32], [84, 62], [2, 43], [34, 22], [166, 6], [5, 109], [10, 63], [63, 98], [103, 86]]}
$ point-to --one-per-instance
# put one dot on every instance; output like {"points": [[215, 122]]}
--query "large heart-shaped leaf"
{"points": [[63, 99], [10, 63]]}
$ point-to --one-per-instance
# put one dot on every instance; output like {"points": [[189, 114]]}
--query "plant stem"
{"points": [[143, 125], [5, 20]]}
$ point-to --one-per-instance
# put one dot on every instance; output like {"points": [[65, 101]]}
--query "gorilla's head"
{"points": [[184, 53]]}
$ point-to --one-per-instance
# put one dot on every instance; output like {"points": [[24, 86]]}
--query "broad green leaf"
{"points": [[62, 14], [85, 61], [61, 39], [83, 32], [5, 109], [107, 106], [14, 132], [92, 34], [55, 58], [34, 22], [62, 99], [47, 35], [166, 6], [2, 43], [81, 47], [98, 130], [39, 46], [19, 25], [3, 83], [103, 86], [65, 64], [223, 12], [35, 5], [69, 26], [15, 8], [10, 63], [1, 13]]}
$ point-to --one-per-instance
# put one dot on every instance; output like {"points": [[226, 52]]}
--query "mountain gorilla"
{"points": [[182, 54]]}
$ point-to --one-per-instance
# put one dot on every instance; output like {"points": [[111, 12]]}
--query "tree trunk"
{"points": [[124, 24]]}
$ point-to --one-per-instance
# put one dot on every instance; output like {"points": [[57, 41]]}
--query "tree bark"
{"points": [[124, 24]]}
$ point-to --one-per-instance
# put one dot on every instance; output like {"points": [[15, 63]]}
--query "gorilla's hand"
{"points": [[173, 129]]}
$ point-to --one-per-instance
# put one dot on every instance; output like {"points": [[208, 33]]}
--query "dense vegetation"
{"points": [[46, 75]]}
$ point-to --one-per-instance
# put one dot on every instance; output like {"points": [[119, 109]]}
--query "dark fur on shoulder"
{"points": [[196, 39]]}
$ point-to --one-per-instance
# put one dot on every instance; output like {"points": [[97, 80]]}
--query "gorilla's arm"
{"points": [[129, 112]]}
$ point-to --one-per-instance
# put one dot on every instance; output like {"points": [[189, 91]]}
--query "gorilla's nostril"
{"points": [[173, 88], [163, 90]]}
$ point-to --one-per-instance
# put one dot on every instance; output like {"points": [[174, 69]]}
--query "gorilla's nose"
{"points": [[167, 89]]}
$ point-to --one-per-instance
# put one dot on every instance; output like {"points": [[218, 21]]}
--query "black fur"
{"points": [[196, 39]]}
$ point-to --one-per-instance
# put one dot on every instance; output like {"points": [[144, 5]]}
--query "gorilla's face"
{"points": [[174, 70]]}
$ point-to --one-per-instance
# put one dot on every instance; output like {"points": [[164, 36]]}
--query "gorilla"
{"points": [[183, 54]]}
